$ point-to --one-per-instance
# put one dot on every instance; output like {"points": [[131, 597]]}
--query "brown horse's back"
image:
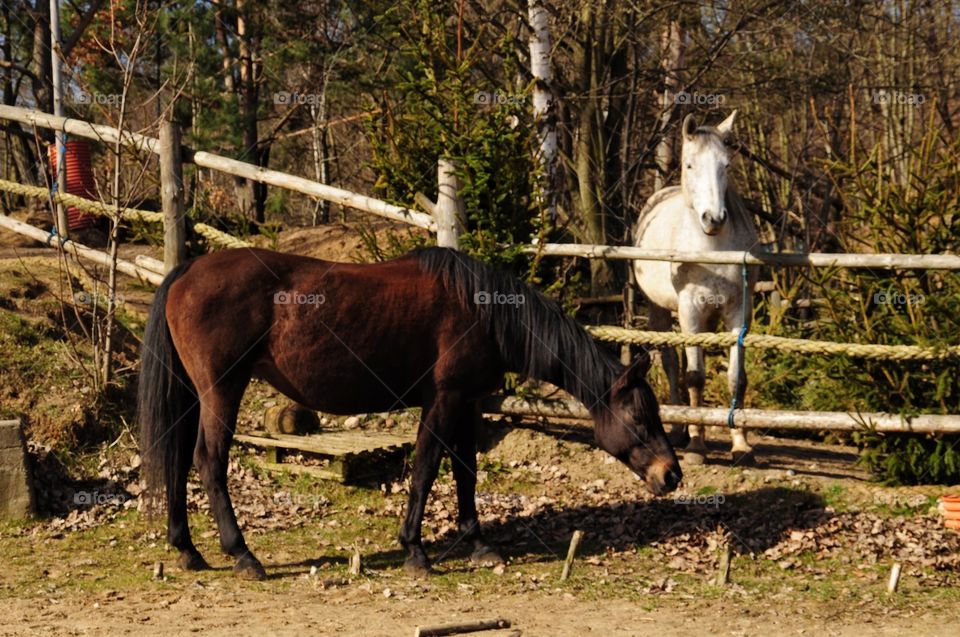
{"points": [[311, 325]]}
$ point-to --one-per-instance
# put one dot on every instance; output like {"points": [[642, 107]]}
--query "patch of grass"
{"points": [[833, 496]]}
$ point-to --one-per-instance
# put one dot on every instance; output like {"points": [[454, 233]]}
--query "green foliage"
{"points": [[445, 103], [886, 306], [911, 459]]}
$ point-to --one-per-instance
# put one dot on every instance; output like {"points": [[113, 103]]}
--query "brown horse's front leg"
{"points": [[464, 459]]}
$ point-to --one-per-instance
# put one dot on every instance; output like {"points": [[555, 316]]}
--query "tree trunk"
{"points": [[318, 115], [17, 142], [543, 106], [244, 188], [41, 63], [672, 49], [589, 147]]}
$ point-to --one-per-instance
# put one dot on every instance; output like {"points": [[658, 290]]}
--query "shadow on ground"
{"points": [[754, 521]]}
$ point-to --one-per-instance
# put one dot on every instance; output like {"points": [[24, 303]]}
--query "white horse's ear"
{"points": [[725, 128], [689, 126]]}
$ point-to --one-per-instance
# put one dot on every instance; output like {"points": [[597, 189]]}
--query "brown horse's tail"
{"points": [[167, 403]]}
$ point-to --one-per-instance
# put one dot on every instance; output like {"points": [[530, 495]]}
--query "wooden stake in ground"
{"points": [[355, 562], [894, 578], [723, 571], [455, 629], [571, 553]]}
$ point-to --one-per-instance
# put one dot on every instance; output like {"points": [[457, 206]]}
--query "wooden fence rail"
{"points": [[234, 167], [794, 259], [746, 418]]}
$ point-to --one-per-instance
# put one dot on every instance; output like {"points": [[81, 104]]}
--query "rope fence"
{"points": [[102, 209], [614, 334]]}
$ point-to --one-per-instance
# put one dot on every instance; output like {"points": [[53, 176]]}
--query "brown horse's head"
{"points": [[630, 430]]}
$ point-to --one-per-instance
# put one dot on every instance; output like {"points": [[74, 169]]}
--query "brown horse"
{"points": [[433, 329]]}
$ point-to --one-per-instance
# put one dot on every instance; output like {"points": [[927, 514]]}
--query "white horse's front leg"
{"points": [[741, 450], [693, 321]]}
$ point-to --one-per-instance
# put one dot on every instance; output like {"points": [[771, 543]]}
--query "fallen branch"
{"points": [[455, 629]]}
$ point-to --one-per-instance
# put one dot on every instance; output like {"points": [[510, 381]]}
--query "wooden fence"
{"points": [[446, 218]]}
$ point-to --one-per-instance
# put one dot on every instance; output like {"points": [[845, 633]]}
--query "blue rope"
{"points": [[61, 164], [741, 347]]}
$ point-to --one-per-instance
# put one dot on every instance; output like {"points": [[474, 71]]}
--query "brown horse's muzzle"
{"points": [[663, 476]]}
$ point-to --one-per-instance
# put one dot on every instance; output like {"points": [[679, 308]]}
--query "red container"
{"points": [[79, 180], [950, 510]]}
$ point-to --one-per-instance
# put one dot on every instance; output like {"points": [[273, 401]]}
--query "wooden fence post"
{"points": [[449, 212], [171, 190]]}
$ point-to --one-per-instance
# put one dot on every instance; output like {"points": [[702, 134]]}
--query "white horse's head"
{"points": [[703, 171]]}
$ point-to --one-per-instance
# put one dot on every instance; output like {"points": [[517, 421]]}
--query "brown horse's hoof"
{"points": [[743, 458], [192, 561], [249, 568], [417, 568], [486, 556], [694, 458]]}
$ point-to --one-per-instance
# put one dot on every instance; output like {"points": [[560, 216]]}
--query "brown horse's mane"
{"points": [[535, 338]]}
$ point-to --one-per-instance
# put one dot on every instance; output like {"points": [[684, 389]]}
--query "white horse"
{"points": [[703, 213]]}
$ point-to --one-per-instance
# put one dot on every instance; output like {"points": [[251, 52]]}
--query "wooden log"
{"points": [[815, 259], [456, 629], [149, 263], [171, 190], [571, 554], [312, 188], [80, 251], [78, 128], [746, 418]]}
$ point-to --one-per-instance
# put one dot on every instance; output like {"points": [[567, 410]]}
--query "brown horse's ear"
{"points": [[689, 126], [634, 375]]}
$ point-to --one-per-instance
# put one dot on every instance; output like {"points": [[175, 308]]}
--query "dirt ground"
{"points": [[217, 613], [812, 540]]}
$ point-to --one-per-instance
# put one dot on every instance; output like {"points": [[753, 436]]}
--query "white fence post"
{"points": [[449, 212]]}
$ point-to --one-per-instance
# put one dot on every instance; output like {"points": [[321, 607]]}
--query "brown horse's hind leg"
{"points": [[464, 460], [218, 417], [178, 527], [434, 437]]}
